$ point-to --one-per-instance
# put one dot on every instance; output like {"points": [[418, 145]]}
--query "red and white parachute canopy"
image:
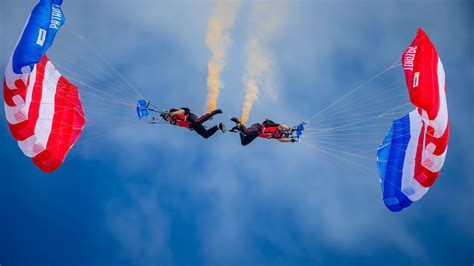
{"points": [[43, 109], [413, 152]]}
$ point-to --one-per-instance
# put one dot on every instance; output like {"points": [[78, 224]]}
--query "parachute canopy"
{"points": [[413, 152], [43, 109]]}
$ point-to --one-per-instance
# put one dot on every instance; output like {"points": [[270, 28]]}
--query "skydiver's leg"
{"points": [[249, 134], [252, 130], [205, 133], [246, 139], [204, 118], [207, 116]]}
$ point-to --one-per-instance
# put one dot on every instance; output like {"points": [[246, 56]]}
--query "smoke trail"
{"points": [[260, 60], [217, 40]]}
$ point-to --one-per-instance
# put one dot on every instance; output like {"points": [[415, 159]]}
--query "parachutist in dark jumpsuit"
{"points": [[268, 130], [184, 118]]}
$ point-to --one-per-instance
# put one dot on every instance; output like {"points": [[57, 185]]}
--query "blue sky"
{"points": [[144, 195]]}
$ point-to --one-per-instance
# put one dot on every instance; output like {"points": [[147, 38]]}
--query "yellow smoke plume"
{"points": [[217, 40], [260, 64], [258, 70], [251, 95]]}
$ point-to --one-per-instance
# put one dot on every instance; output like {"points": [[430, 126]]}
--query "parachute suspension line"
{"points": [[383, 114], [341, 147], [346, 119], [121, 88], [80, 37], [87, 76], [155, 108], [95, 85], [347, 134], [122, 121], [105, 117], [349, 124], [324, 150], [98, 133], [363, 102], [117, 114], [107, 129], [356, 152], [88, 137], [371, 171], [354, 124], [353, 128], [395, 108], [88, 66], [125, 81], [45, 129], [73, 104], [328, 151], [75, 75], [71, 76], [350, 152], [394, 65], [383, 90]]}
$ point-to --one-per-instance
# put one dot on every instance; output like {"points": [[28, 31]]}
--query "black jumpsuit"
{"points": [[196, 122], [249, 134]]}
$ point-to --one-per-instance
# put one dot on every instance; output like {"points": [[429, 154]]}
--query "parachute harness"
{"points": [[143, 111], [294, 133]]}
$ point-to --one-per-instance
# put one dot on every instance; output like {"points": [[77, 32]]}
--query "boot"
{"points": [[217, 111], [222, 127], [235, 120]]}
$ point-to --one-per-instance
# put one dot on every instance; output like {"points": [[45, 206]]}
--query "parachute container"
{"points": [[43, 109], [412, 154]]}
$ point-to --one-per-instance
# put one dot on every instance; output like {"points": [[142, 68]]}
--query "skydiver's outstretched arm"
{"points": [[285, 128], [205, 133]]}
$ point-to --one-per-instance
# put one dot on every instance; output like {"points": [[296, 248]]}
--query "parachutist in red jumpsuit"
{"points": [[184, 118], [268, 130]]}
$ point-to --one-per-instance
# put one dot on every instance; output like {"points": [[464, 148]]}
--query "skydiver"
{"points": [[184, 118], [268, 130]]}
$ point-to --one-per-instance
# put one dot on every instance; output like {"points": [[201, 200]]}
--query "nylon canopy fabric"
{"points": [[412, 154], [43, 109]]}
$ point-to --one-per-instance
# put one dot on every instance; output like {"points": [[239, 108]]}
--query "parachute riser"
{"points": [[143, 110]]}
